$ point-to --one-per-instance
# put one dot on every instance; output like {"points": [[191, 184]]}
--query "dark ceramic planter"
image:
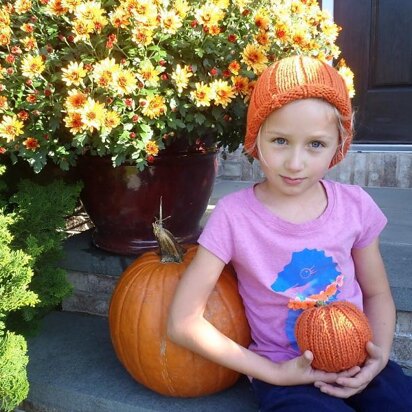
{"points": [[123, 202]]}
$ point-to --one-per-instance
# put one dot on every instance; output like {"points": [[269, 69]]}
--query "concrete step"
{"points": [[73, 368]]}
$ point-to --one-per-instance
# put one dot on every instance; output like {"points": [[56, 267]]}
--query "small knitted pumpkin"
{"points": [[336, 334]]}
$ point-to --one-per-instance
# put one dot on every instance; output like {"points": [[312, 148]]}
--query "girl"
{"points": [[289, 237]]}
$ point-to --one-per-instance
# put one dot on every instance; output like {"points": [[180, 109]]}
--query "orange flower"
{"points": [[241, 85], [31, 143], [152, 149], [234, 67]]}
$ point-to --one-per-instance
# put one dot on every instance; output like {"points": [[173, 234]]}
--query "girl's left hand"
{"points": [[346, 387]]}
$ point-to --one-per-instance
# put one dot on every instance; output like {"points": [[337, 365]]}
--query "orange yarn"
{"points": [[294, 78], [336, 334]]}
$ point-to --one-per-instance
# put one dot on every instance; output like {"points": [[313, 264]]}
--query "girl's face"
{"points": [[296, 145]]}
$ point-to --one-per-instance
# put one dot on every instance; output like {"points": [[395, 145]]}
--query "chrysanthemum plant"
{"points": [[125, 77]]}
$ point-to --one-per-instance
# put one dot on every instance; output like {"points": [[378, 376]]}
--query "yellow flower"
{"points": [[112, 119], [75, 100], [71, 5], [297, 7], [56, 7], [330, 29], [3, 103], [74, 122], [255, 58], [181, 7], [234, 67], [223, 4], [74, 74], [5, 36], [29, 43], [347, 75], [32, 66], [263, 39], [104, 71], [202, 95], [93, 114], [214, 30], [170, 21], [22, 6], [120, 18], [82, 30], [145, 12], [209, 15], [91, 12], [262, 20], [282, 31], [155, 106], [142, 36], [223, 92], [300, 35], [148, 73], [11, 127], [242, 4], [152, 149], [124, 82], [241, 85], [181, 77]]}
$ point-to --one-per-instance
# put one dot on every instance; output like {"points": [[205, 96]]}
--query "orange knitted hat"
{"points": [[294, 78]]}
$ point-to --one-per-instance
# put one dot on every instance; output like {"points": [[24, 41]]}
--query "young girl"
{"points": [[290, 237]]}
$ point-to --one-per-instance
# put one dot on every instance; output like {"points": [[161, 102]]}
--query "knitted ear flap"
{"points": [[294, 78]]}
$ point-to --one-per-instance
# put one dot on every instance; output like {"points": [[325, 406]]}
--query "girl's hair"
{"points": [[344, 134], [294, 78]]}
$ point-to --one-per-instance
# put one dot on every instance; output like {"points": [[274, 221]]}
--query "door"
{"points": [[376, 42]]}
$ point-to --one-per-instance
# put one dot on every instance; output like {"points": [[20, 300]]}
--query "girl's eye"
{"points": [[316, 144], [279, 140]]}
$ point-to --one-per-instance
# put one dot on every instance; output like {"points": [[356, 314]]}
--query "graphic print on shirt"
{"points": [[309, 272]]}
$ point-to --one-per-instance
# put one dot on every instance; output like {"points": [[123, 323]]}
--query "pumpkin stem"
{"points": [[320, 303], [170, 250]]}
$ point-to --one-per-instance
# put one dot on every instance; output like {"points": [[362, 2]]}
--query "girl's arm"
{"points": [[380, 310], [188, 327]]}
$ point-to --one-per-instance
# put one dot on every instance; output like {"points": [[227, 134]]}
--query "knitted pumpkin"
{"points": [[336, 333], [138, 321]]}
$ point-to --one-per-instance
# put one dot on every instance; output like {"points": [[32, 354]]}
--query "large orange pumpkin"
{"points": [[138, 321], [336, 333]]}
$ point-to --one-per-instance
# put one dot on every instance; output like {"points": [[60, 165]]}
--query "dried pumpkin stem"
{"points": [[170, 250]]}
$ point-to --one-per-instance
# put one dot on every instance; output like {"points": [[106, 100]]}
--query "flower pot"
{"points": [[123, 202]]}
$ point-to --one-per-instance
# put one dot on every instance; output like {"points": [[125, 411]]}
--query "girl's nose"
{"points": [[295, 160]]}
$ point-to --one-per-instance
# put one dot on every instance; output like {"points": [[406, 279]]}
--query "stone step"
{"points": [[73, 368]]}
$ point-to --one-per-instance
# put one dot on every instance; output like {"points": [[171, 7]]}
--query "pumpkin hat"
{"points": [[294, 78]]}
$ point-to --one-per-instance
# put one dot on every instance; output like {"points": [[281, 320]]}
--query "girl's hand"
{"points": [[299, 371], [347, 386]]}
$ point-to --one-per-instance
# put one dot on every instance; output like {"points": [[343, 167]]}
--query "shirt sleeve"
{"points": [[216, 236], [373, 221]]}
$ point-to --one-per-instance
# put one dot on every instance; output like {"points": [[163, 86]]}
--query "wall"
{"points": [[366, 168]]}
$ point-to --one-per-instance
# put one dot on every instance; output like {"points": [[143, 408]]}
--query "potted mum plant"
{"points": [[125, 79]]}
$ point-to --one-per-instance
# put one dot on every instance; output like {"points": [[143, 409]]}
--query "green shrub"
{"points": [[15, 276], [40, 231]]}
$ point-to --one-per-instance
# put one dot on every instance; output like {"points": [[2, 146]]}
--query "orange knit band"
{"points": [[294, 78]]}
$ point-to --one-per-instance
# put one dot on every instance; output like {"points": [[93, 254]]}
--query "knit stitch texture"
{"points": [[336, 334]]}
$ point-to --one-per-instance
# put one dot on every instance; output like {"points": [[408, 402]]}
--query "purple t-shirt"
{"points": [[279, 263]]}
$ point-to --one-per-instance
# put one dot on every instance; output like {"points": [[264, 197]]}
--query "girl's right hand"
{"points": [[299, 371]]}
